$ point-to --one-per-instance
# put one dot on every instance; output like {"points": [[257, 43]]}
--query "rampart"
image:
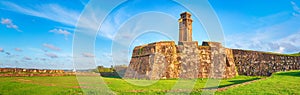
{"points": [[256, 63], [165, 60]]}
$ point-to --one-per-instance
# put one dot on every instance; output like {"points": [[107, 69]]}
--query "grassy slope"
{"points": [[295, 54], [279, 83], [282, 83]]}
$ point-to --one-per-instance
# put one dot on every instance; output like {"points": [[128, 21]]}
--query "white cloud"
{"points": [[281, 50], [111, 24], [291, 43], [293, 39], [43, 59], [52, 47], [36, 50], [61, 31], [1, 50], [88, 23], [51, 55], [88, 54], [94, 20], [295, 14], [296, 9], [27, 58], [83, 2], [281, 36], [7, 53], [52, 12], [18, 49], [265, 42], [9, 24]]}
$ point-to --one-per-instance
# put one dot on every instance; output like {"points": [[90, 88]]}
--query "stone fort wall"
{"points": [[165, 60], [255, 63], [154, 61]]}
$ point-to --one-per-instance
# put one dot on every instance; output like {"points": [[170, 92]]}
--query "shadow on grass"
{"points": [[233, 82], [294, 74], [116, 77], [110, 75]]}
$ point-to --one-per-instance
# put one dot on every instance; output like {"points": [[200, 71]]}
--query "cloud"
{"points": [[52, 47], [291, 43], [265, 42], [1, 50], [296, 9], [9, 24], [51, 55], [7, 53], [281, 36], [108, 55], [88, 55], [287, 47], [37, 50], [61, 31], [113, 22], [88, 24], [83, 2], [281, 50], [18, 49], [43, 59], [27, 58], [52, 12]]}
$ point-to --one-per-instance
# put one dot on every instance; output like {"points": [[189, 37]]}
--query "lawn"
{"points": [[279, 83], [39, 85], [163, 86]]}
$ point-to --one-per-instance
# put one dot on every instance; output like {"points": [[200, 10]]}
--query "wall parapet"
{"points": [[257, 63]]}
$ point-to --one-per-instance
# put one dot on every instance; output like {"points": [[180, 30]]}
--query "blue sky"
{"points": [[39, 33]]}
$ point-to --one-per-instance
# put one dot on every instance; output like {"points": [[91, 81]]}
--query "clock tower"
{"points": [[185, 27]]}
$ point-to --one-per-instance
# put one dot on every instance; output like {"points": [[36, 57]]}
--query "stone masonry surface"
{"points": [[255, 63]]}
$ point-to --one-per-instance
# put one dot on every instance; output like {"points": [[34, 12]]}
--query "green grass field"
{"points": [[281, 83], [162, 86], [39, 85]]}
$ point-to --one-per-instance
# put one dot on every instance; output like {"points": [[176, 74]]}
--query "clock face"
{"points": [[180, 20]]}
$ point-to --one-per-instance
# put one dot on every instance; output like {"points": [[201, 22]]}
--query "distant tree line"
{"points": [[112, 68]]}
